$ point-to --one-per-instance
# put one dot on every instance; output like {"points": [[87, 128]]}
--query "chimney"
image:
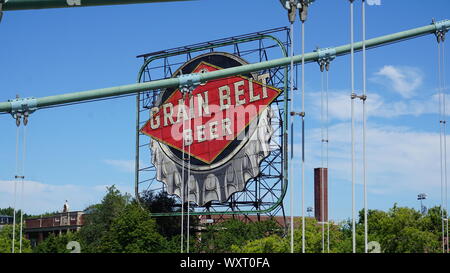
{"points": [[321, 194]]}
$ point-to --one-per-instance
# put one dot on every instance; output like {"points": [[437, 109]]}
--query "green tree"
{"points": [[6, 240], [405, 230], [313, 240], [134, 231], [316, 237], [163, 203], [399, 230], [271, 244], [10, 212], [94, 235], [56, 243], [119, 225], [233, 234]]}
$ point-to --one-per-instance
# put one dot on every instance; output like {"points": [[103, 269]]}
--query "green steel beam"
{"points": [[49, 4], [244, 69]]}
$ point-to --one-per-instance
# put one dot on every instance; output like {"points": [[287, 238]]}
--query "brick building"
{"points": [[38, 228]]}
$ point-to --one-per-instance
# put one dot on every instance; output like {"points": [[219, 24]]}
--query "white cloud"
{"points": [[404, 80], [339, 107], [40, 197], [122, 165], [399, 159], [374, 2]]}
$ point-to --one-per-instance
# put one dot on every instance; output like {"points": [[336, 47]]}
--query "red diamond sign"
{"points": [[212, 116]]}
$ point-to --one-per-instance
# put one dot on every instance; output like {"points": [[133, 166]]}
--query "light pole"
{"points": [[309, 210], [422, 196]]}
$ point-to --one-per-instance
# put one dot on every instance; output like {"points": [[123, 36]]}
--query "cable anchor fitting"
{"points": [[301, 114], [361, 97], [441, 29], [188, 82], [291, 6], [304, 9], [22, 107], [326, 56]]}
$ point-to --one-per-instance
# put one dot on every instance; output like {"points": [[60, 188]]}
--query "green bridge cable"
{"points": [[49, 4], [174, 82]]}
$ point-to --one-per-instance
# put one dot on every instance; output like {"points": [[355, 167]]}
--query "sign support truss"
{"points": [[263, 195]]}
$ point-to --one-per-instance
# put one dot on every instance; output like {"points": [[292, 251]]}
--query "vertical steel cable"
{"points": [[24, 142], [291, 177], [444, 114], [322, 139], [303, 137], [136, 156], [326, 161], [15, 190], [352, 53], [441, 143], [189, 178], [364, 122], [182, 176]]}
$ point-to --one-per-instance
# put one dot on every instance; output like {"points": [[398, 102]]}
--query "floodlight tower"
{"points": [[309, 210], [422, 196]]}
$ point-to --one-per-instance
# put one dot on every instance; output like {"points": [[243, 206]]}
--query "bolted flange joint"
{"points": [[301, 114], [22, 107], [442, 28], [188, 82], [326, 56]]}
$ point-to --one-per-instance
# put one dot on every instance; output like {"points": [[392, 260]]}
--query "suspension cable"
{"points": [[188, 180], [441, 120], [444, 114], [303, 137], [364, 121], [291, 177], [15, 188], [445, 139], [292, 6], [182, 175], [325, 58], [24, 142], [352, 53], [322, 139], [326, 160]]}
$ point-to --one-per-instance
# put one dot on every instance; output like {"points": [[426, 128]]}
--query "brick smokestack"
{"points": [[321, 191]]}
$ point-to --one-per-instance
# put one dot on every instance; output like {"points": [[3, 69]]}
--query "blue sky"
{"points": [[74, 152]]}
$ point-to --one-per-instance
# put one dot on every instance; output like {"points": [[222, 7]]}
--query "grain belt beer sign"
{"points": [[223, 126]]}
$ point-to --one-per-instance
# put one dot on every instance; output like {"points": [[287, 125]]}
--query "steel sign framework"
{"points": [[263, 194]]}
